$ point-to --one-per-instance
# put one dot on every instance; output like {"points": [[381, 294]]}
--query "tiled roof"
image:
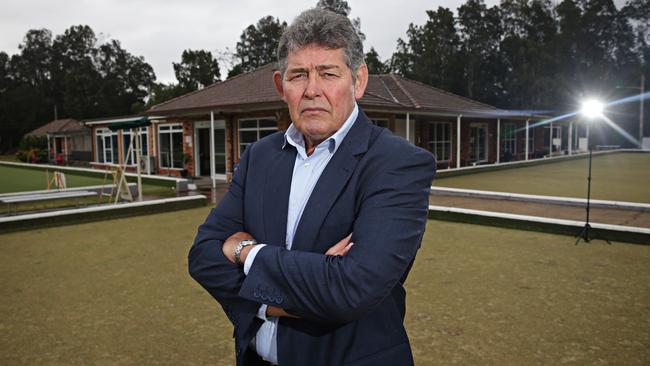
{"points": [[59, 126], [255, 88]]}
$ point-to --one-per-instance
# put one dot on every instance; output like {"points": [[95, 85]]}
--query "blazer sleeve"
{"points": [[387, 232], [206, 262]]}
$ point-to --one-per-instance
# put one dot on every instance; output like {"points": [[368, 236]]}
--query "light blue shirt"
{"points": [[306, 171]]}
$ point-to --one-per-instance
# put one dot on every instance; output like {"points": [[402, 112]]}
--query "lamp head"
{"points": [[592, 108]]}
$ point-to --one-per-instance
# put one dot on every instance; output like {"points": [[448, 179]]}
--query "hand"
{"points": [[275, 311], [228, 247], [342, 247]]}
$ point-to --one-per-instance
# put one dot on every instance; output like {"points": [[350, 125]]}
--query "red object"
{"points": [[59, 159]]}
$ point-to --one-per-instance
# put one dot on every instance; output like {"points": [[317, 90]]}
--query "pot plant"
{"points": [[187, 161]]}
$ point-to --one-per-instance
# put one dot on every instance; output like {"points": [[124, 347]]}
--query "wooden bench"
{"points": [[26, 198]]}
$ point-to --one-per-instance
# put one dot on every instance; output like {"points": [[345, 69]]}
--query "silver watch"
{"points": [[240, 246]]}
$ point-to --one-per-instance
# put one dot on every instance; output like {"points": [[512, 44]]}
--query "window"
{"points": [[170, 139], [106, 146], [127, 135], [440, 140], [380, 122], [509, 141], [251, 130]]}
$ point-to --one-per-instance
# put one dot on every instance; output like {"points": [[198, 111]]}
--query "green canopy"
{"points": [[140, 122]]}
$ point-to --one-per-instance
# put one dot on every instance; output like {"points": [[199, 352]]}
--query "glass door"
{"points": [[478, 142]]}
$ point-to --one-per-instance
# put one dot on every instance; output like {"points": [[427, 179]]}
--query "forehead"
{"points": [[313, 56]]}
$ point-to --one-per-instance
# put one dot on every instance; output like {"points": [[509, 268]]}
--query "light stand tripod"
{"points": [[585, 232]]}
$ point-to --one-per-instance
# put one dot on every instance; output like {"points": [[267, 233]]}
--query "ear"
{"points": [[277, 80], [362, 81]]}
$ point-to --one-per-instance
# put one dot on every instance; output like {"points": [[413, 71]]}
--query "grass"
{"points": [[118, 293], [16, 179], [618, 177]]}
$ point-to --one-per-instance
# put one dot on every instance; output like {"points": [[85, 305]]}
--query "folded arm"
{"points": [[387, 233]]}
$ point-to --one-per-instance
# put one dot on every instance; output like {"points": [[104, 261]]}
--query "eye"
{"points": [[330, 75], [298, 76]]}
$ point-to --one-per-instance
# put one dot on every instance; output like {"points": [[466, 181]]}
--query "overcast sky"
{"points": [[160, 30]]}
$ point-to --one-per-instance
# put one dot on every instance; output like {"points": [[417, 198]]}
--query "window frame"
{"points": [[432, 144], [169, 129], [144, 136], [241, 146]]}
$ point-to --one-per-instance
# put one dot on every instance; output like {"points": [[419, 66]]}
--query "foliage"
{"points": [[257, 45], [342, 7], [70, 75], [375, 65], [196, 69], [528, 53], [32, 149]]}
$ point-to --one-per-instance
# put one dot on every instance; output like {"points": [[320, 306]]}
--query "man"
{"points": [[309, 248]]}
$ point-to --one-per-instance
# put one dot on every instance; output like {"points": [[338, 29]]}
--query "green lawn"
{"points": [[618, 177], [17, 179], [118, 293]]}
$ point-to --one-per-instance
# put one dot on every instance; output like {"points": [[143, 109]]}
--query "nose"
{"points": [[313, 88]]}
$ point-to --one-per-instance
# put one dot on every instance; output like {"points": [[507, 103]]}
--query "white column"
{"points": [[138, 146], [550, 142], [458, 141], [587, 135], [527, 135], [212, 167], [498, 140], [570, 139], [154, 131], [408, 127]]}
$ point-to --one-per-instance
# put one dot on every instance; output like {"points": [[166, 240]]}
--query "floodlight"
{"points": [[592, 108]]}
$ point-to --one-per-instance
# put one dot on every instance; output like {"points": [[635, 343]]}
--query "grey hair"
{"points": [[323, 28]]}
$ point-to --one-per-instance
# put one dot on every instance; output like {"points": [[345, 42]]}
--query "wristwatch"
{"points": [[240, 246]]}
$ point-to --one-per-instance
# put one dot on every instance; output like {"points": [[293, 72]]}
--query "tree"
{"points": [[337, 6], [431, 52], [126, 79], [342, 7], [480, 36], [196, 68], [375, 66], [161, 92], [71, 73], [258, 44]]}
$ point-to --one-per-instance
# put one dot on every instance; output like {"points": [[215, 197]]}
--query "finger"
{"points": [[345, 250], [339, 246]]}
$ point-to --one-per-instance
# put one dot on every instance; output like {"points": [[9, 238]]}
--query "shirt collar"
{"points": [[295, 137]]}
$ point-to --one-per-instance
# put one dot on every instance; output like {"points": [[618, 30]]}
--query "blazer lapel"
{"points": [[275, 200], [331, 182]]}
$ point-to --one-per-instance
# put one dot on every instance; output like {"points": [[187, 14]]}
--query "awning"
{"points": [[140, 122]]}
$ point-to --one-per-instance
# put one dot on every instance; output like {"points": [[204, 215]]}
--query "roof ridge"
{"points": [[388, 89], [448, 93], [220, 82], [408, 95], [384, 98]]}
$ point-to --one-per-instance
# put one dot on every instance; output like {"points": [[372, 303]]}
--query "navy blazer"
{"points": [[351, 308]]}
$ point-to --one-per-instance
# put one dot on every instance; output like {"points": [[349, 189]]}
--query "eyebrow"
{"points": [[318, 68]]}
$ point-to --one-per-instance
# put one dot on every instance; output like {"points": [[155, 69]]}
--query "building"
{"points": [[241, 110], [67, 139]]}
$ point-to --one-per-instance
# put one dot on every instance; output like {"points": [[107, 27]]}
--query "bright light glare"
{"points": [[592, 108]]}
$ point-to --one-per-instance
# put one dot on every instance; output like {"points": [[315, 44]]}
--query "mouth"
{"points": [[314, 110]]}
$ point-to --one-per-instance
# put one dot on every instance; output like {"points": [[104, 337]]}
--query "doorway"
{"points": [[202, 150], [478, 133]]}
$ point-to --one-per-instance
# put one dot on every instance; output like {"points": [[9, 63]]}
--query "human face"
{"points": [[318, 89]]}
